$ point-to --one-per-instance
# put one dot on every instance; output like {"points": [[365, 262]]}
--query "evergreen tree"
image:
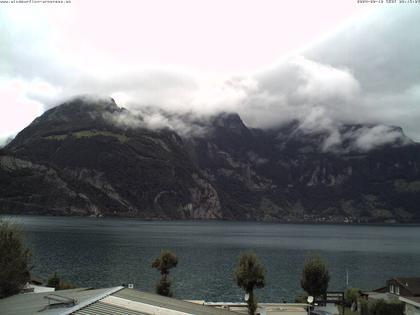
{"points": [[315, 276], [14, 259], [250, 274], [166, 261]]}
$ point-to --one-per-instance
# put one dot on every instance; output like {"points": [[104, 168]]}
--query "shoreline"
{"points": [[415, 224]]}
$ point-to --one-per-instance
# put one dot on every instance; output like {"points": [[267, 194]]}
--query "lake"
{"points": [[107, 252]]}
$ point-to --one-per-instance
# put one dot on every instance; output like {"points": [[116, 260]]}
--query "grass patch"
{"points": [[90, 133], [56, 137], [94, 133]]}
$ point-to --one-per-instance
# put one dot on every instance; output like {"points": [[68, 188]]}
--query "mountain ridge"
{"points": [[91, 157]]}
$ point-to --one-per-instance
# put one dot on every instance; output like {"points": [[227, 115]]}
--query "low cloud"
{"points": [[186, 125], [4, 140], [298, 89], [314, 93], [322, 98], [351, 77], [368, 138]]}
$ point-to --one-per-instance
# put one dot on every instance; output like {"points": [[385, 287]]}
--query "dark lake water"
{"points": [[109, 252]]}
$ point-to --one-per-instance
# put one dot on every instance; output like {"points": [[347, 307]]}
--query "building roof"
{"points": [[413, 300], [116, 300], [38, 303], [139, 303], [382, 296], [122, 301], [411, 284], [101, 308], [381, 289]]}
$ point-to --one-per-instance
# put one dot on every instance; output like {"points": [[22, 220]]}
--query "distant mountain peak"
{"points": [[229, 121], [87, 103], [78, 113]]}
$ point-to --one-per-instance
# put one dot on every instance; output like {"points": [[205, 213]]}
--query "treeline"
{"points": [[250, 274]]}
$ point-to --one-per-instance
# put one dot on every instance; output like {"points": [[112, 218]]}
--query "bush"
{"points": [[315, 276], [364, 307], [382, 307], [14, 259], [351, 295]]}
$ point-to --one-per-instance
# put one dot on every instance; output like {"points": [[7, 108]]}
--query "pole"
{"points": [[347, 277]]}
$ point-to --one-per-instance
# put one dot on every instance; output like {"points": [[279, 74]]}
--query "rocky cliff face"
{"points": [[75, 160]]}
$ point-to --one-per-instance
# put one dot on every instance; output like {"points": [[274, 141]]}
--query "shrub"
{"points": [[351, 295], [364, 307], [14, 259], [315, 276], [382, 307]]}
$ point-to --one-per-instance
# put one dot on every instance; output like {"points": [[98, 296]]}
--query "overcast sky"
{"points": [[323, 62]]}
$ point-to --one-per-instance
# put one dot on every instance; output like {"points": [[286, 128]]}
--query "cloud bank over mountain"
{"points": [[367, 72]]}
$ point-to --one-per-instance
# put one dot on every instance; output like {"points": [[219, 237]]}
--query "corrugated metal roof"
{"points": [[169, 303], [133, 302], [33, 303], [107, 301], [101, 308]]}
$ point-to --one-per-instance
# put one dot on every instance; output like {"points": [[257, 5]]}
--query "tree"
{"points": [[14, 259], [315, 276], [166, 261], [250, 274]]}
